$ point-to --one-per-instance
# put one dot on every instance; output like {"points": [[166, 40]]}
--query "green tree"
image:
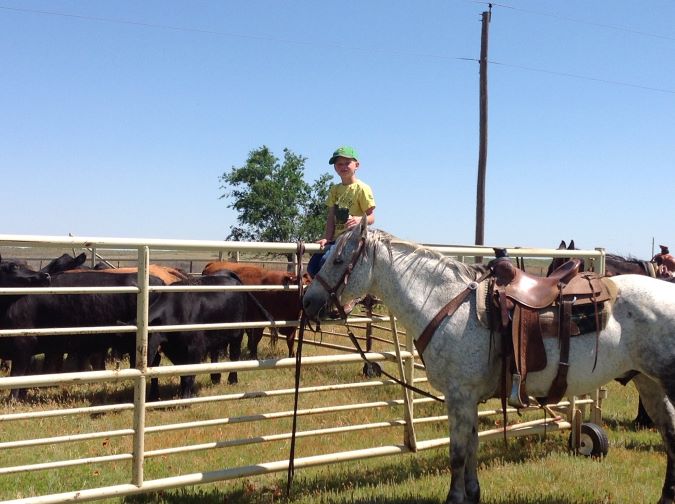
{"points": [[273, 201]]}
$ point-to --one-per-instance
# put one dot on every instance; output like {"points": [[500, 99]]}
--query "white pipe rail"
{"points": [[403, 355]]}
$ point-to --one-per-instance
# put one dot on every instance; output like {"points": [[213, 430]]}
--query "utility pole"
{"points": [[482, 147]]}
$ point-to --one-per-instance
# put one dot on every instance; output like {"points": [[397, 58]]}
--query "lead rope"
{"points": [[379, 369], [298, 359]]}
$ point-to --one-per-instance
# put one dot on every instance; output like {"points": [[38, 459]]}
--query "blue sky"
{"points": [[117, 118]]}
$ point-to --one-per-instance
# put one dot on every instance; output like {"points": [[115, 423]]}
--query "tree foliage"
{"points": [[273, 201]]}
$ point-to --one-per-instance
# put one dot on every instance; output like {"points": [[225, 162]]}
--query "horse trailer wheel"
{"points": [[593, 441]]}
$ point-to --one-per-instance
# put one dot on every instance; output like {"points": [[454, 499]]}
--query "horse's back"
{"points": [[645, 311], [647, 292]]}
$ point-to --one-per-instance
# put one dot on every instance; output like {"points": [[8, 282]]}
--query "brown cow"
{"points": [[280, 305], [167, 274]]}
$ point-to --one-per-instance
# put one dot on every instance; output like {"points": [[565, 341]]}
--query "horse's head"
{"points": [[559, 261], [343, 277]]}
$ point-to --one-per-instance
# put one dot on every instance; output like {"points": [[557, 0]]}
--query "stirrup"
{"points": [[515, 399]]}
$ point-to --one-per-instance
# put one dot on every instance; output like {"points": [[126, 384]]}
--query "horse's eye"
{"points": [[338, 260]]}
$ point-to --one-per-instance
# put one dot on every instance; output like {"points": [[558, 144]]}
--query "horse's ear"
{"points": [[563, 245], [571, 247], [500, 252]]}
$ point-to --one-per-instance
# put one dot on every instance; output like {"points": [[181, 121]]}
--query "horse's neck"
{"points": [[415, 285], [622, 267]]}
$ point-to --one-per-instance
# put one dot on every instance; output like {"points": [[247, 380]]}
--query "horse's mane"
{"points": [[469, 271], [618, 258]]}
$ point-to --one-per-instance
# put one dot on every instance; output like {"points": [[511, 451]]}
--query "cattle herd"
{"points": [[31, 311]]}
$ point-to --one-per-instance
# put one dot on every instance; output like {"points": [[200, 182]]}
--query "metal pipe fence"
{"points": [[364, 406]]}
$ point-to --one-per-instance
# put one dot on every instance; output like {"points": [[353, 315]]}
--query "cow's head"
{"points": [[64, 263], [13, 274]]}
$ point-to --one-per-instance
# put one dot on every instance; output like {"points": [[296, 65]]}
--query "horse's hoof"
{"points": [[473, 492], [667, 495], [472, 496], [454, 498], [642, 423]]}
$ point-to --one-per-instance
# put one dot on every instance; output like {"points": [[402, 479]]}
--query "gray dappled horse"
{"points": [[465, 364]]}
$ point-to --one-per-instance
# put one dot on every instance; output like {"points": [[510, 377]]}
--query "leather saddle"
{"points": [[527, 308]]}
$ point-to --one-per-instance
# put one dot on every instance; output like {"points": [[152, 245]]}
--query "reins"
{"points": [[376, 366], [298, 358], [334, 299], [333, 293]]}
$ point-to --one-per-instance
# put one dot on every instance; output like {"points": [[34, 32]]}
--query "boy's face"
{"points": [[346, 167]]}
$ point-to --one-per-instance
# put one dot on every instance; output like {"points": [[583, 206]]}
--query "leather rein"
{"points": [[334, 299]]}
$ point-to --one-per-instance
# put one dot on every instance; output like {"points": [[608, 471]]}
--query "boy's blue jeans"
{"points": [[317, 260]]}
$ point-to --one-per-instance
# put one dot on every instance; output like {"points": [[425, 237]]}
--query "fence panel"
{"points": [[91, 435]]}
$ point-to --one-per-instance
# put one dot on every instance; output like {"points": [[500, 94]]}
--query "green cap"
{"points": [[344, 151]]}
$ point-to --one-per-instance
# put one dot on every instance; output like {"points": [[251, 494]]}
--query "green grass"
{"points": [[528, 470]]}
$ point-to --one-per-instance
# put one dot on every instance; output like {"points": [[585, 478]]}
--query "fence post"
{"points": [[141, 364], [601, 261], [406, 373]]}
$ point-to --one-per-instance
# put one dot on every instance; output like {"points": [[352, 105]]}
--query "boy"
{"points": [[347, 202]]}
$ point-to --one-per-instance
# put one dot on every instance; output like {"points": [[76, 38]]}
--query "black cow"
{"points": [[192, 347], [65, 262], [69, 310], [16, 274]]}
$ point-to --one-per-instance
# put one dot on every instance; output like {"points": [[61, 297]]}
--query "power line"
{"points": [[584, 77], [360, 49], [235, 35], [577, 20]]}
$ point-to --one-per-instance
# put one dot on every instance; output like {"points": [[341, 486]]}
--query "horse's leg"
{"points": [[642, 420], [462, 418], [471, 471], [659, 402]]}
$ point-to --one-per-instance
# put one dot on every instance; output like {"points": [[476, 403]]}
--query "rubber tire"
{"points": [[593, 443]]}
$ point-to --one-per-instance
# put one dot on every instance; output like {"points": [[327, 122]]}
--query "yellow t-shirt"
{"points": [[353, 199]]}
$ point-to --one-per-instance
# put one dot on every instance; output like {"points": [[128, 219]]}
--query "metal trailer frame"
{"points": [[403, 354]]}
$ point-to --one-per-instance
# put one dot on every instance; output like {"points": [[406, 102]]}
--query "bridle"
{"points": [[335, 291]]}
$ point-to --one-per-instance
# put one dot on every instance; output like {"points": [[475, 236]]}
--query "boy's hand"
{"points": [[322, 242], [352, 221]]}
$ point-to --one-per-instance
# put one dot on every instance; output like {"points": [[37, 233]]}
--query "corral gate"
{"points": [[412, 411]]}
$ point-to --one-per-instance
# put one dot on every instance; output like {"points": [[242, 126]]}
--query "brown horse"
{"points": [[614, 264], [618, 265]]}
